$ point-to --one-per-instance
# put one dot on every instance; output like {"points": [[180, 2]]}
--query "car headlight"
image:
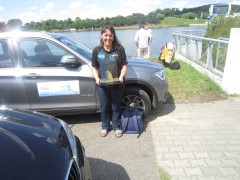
{"points": [[71, 138], [161, 74]]}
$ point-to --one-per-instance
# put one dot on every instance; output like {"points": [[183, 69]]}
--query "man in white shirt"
{"points": [[150, 40], [142, 40]]}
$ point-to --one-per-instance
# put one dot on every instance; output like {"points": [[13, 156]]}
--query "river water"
{"points": [[126, 37]]}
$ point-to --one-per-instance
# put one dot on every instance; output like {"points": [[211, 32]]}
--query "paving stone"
{"points": [[198, 163], [206, 178], [211, 171], [165, 163], [199, 140], [176, 149], [214, 162], [186, 155], [177, 171], [193, 171], [181, 163], [216, 155], [234, 155], [230, 163], [228, 171], [201, 155], [169, 155]]}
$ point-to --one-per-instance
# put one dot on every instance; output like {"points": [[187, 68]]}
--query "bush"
{"points": [[220, 26], [189, 16]]}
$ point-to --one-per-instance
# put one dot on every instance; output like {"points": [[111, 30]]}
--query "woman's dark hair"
{"points": [[115, 43]]}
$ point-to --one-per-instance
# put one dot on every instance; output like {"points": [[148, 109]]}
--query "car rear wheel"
{"points": [[136, 97]]}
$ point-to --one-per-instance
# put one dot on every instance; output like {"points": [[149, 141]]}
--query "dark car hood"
{"points": [[32, 146], [136, 62]]}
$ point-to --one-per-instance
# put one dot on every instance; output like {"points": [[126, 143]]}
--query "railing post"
{"points": [[187, 47], [196, 51], [209, 55], [179, 45], [218, 48]]}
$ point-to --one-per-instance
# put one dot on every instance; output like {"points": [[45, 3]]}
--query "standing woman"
{"points": [[109, 64]]}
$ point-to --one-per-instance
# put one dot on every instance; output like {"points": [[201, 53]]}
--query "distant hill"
{"points": [[204, 10]]}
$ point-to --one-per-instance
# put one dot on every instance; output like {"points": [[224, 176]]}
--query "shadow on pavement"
{"points": [[104, 170], [162, 110], [81, 118]]}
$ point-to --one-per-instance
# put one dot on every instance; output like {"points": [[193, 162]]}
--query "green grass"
{"points": [[187, 83], [168, 22], [181, 21], [235, 95], [163, 175]]}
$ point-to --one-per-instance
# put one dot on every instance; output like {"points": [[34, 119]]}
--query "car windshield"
{"points": [[77, 46]]}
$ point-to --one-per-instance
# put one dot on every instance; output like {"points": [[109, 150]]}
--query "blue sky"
{"points": [[38, 10]]}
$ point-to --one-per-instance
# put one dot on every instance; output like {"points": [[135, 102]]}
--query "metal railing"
{"points": [[206, 52]]}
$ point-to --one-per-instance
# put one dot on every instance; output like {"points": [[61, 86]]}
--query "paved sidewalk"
{"points": [[199, 140]]}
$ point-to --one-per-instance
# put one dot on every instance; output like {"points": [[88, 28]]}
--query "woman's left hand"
{"points": [[123, 73], [121, 79]]}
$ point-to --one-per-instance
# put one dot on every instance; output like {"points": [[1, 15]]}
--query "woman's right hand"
{"points": [[95, 75], [97, 81]]}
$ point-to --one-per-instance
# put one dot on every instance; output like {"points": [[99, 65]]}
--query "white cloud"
{"points": [[36, 14], [75, 5], [236, 2], [138, 3], [92, 11], [128, 7], [83, 11], [180, 4], [32, 8], [47, 7], [30, 16], [1, 8], [186, 4], [2, 19], [63, 15]]}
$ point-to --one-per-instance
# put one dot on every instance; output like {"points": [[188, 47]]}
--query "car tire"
{"points": [[136, 97]]}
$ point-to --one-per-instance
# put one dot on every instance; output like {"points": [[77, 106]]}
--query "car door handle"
{"points": [[32, 76]]}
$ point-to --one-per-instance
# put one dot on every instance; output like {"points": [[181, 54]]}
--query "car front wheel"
{"points": [[136, 97]]}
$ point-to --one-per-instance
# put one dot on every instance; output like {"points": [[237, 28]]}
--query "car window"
{"points": [[77, 46], [40, 53], [5, 59]]}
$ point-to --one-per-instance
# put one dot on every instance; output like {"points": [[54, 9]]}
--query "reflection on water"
{"points": [[126, 37]]}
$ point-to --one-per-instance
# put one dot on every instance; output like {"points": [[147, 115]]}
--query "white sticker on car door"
{"points": [[59, 88]]}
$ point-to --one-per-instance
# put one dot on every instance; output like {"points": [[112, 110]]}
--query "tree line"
{"points": [[154, 17]]}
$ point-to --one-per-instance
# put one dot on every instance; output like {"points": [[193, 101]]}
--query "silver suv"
{"points": [[51, 73]]}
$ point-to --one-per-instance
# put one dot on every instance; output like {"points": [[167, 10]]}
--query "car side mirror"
{"points": [[69, 61]]}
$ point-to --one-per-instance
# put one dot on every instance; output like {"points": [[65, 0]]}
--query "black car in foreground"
{"points": [[35, 146]]}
